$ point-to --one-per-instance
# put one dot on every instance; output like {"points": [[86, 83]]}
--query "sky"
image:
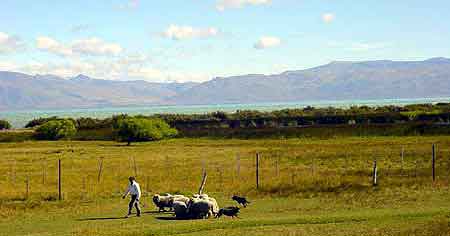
{"points": [[197, 40]]}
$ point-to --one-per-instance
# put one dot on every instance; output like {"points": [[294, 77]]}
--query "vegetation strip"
{"points": [[297, 221]]}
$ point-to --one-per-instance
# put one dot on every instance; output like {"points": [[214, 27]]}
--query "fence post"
{"points": [[135, 167], [416, 166], [238, 165], [59, 180], [27, 181], [147, 184], [100, 169], [433, 162], [14, 172], [44, 171], [402, 158], [202, 185], [277, 166], [257, 170], [375, 173], [84, 188]]}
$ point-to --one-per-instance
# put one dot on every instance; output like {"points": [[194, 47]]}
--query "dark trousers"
{"points": [[134, 202]]}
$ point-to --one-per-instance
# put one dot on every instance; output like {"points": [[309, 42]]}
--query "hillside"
{"points": [[334, 81]]}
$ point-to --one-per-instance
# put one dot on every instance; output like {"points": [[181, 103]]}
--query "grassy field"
{"points": [[307, 186]]}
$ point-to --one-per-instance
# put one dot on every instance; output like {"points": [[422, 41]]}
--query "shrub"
{"points": [[4, 125], [56, 129], [142, 129], [40, 121]]}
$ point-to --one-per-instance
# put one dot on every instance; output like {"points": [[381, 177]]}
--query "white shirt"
{"points": [[134, 189]]}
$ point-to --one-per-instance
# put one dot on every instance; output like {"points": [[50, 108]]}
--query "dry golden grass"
{"points": [[306, 185]]}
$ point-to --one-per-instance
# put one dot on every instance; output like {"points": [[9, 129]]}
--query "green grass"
{"points": [[322, 186]]}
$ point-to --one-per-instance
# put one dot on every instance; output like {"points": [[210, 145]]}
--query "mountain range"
{"points": [[340, 80]]}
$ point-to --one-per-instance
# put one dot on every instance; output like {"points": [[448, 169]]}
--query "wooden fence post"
{"points": [[433, 162], [416, 166], [135, 167], [257, 170], [27, 182], [100, 170], [147, 182], [44, 171], [14, 172], [277, 166], [402, 155], [84, 188], [202, 185], [375, 173], [238, 165], [59, 180]]}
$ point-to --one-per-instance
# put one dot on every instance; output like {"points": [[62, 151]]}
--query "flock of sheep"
{"points": [[199, 206]]}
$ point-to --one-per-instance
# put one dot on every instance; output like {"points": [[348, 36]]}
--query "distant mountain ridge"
{"points": [[338, 80], [334, 81]]}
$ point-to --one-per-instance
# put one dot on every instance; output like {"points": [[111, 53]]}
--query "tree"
{"points": [[4, 125], [56, 129], [142, 129]]}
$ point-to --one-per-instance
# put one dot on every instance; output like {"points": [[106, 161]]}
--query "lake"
{"points": [[20, 118]]}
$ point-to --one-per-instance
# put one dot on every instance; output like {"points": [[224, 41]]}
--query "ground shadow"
{"points": [[170, 218], [102, 218], [157, 212], [115, 145]]}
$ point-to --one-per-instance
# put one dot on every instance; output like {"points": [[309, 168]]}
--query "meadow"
{"points": [[306, 186]]}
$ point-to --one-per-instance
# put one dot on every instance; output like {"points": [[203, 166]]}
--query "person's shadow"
{"points": [[102, 218], [123, 217]]}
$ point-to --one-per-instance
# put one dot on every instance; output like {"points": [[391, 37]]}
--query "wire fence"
{"points": [[271, 171]]}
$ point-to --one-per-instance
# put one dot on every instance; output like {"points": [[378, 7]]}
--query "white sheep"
{"points": [[215, 209], [163, 202], [199, 208], [180, 198]]}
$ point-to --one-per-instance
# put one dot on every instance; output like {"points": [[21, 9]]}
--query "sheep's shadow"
{"points": [[157, 212], [171, 218]]}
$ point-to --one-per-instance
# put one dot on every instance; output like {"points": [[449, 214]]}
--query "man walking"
{"points": [[135, 191]]}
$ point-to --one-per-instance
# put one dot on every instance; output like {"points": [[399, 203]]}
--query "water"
{"points": [[20, 118]]}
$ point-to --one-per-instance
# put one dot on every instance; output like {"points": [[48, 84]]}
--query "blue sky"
{"points": [[196, 40]]}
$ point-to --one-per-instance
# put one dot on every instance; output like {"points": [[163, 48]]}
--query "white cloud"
{"points": [[328, 17], [80, 28], [90, 47], [10, 44], [368, 46], [177, 32], [360, 46], [129, 67], [267, 42], [130, 4], [96, 47], [222, 5], [7, 66], [53, 46]]}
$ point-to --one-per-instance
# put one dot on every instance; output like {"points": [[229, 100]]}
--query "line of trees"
{"points": [[129, 129], [418, 112], [4, 125], [124, 128]]}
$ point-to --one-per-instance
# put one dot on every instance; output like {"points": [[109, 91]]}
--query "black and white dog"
{"points": [[241, 200], [228, 211]]}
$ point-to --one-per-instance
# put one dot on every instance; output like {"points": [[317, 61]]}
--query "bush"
{"points": [[142, 129], [4, 125], [40, 121], [56, 129]]}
